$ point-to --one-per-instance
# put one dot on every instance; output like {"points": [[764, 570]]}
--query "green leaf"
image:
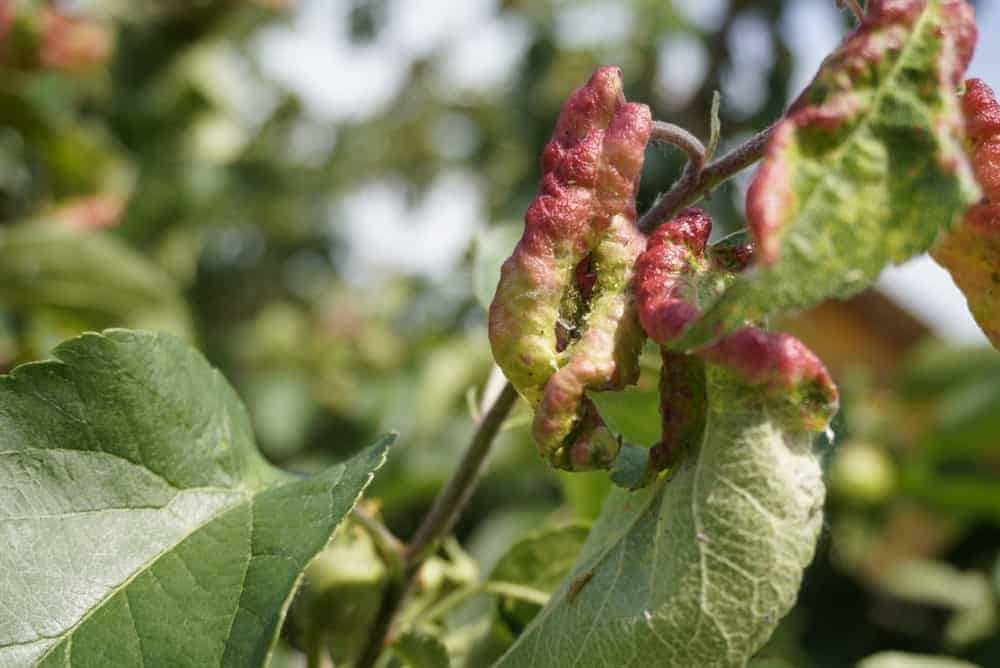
{"points": [[340, 595], [585, 492], [903, 660], [969, 594], [140, 525], [540, 561], [633, 413], [769, 663], [493, 246], [866, 170], [631, 468], [420, 650], [88, 274], [696, 570]]}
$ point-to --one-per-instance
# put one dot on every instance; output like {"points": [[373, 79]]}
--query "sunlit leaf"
{"points": [[866, 170], [140, 525]]}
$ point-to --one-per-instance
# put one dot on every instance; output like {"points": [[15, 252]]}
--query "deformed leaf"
{"points": [[866, 169], [87, 273], [140, 525], [971, 252], [697, 569]]}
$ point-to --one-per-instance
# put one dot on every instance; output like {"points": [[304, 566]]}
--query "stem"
{"points": [[668, 133], [855, 8], [694, 183], [316, 649], [508, 589], [451, 501], [388, 546], [438, 522]]}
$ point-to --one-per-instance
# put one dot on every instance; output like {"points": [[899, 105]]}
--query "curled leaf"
{"points": [[674, 275], [865, 170], [562, 321], [971, 252], [697, 570]]}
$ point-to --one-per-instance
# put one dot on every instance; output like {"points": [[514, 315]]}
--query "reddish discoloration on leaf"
{"points": [[831, 102], [731, 254], [770, 194], [772, 359], [780, 365], [981, 109], [662, 275], [562, 321], [683, 406], [676, 263], [971, 252]]}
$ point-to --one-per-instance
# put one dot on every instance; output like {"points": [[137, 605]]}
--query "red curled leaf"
{"points": [[666, 275], [971, 251], [683, 407], [676, 272], [562, 321], [981, 110], [779, 364], [679, 271]]}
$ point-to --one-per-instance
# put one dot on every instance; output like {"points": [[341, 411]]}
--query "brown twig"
{"points": [[675, 135], [694, 183], [438, 522]]}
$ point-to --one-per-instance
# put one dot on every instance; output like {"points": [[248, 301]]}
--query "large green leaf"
{"points": [[697, 569], [91, 274], [140, 525], [865, 170]]}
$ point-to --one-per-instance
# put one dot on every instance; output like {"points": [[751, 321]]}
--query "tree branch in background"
{"points": [[668, 133]]}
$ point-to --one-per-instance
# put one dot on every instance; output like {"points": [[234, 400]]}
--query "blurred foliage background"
{"points": [[315, 192]]}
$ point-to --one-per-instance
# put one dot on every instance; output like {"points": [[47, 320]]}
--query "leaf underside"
{"points": [[698, 569], [140, 525]]}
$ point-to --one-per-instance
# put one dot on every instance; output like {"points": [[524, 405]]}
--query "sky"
{"points": [[477, 49]]}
